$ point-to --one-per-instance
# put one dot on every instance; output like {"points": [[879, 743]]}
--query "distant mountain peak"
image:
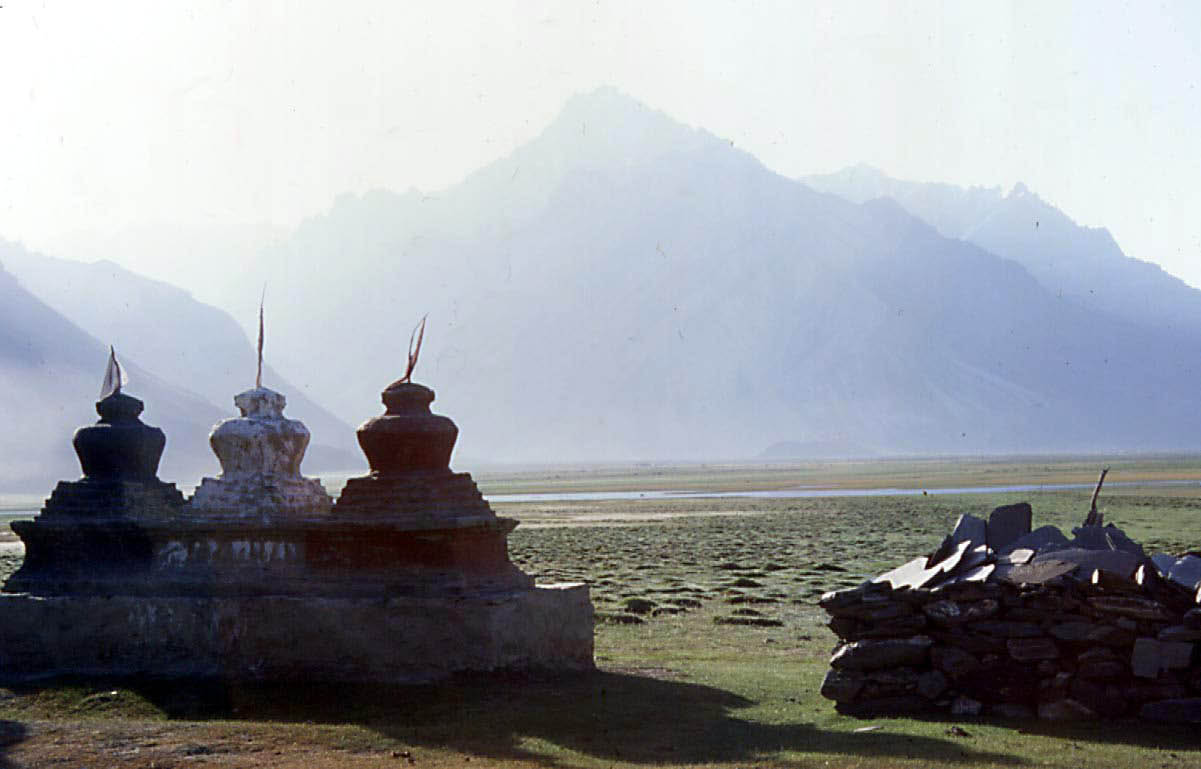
{"points": [[601, 98], [1084, 263], [1020, 190], [608, 121], [603, 101]]}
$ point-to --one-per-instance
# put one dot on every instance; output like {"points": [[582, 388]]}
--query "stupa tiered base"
{"points": [[92, 529], [420, 526], [406, 578], [259, 496], [289, 599], [280, 556], [420, 497]]}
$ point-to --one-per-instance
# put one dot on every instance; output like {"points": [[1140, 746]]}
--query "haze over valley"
{"points": [[624, 287], [735, 234]]}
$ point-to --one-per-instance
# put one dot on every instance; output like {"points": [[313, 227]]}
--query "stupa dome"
{"points": [[408, 438], [119, 446], [262, 441], [260, 454]]}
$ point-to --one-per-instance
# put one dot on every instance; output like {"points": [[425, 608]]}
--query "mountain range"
{"points": [[626, 287], [51, 372], [1083, 264], [182, 358]]}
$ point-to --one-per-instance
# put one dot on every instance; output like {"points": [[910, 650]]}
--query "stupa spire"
{"points": [[113, 377], [418, 333], [258, 377]]}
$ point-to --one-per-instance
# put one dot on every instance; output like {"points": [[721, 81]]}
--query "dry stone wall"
{"points": [[1006, 621]]}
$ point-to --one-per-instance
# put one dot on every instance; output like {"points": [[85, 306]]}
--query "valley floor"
{"points": [[709, 644]]}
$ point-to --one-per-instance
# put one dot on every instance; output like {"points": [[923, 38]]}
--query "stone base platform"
{"points": [[213, 556], [258, 495], [288, 638]]}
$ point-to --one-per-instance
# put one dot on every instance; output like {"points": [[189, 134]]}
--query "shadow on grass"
{"points": [[603, 715], [11, 732]]}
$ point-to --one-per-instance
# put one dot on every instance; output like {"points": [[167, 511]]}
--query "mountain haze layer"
{"points": [[191, 344], [176, 351], [1083, 264], [627, 287], [51, 372]]}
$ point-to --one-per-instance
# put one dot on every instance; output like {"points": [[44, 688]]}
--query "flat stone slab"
{"points": [[886, 653], [1036, 573], [1042, 540], [977, 574], [916, 574], [1150, 656], [1027, 649], [1180, 633], [1080, 631], [969, 528], [1116, 562], [1107, 537], [842, 685], [954, 661], [398, 640], [972, 568], [976, 555], [1019, 556], [1163, 562], [1186, 571], [1132, 607], [913, 574], [1007, 524]]}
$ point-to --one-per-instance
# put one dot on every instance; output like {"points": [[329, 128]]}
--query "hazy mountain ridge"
{"points": [[51, 372], [646, 291], [694, 304], [1084, 264], [202, 354]]}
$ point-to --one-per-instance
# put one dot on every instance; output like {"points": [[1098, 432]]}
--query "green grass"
{"points": [[675, 688]]}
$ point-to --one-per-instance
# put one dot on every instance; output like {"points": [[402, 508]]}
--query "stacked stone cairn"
{"points": [[1003, 621]]}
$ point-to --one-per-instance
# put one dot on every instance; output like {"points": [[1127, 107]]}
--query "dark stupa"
{"points": [[408, 438], [440, 533], [88, 533], [119, 446]]}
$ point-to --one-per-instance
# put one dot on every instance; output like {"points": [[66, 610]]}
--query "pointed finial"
{"points": [[258, 378], [419, 333], [113, 378]]}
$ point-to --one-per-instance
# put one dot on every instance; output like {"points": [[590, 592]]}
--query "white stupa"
{"points": [[260, 454]]}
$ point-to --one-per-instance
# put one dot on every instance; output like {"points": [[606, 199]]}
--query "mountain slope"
{"points": [[655, 293], [192, 345], [51, 370], [1081, 263]]}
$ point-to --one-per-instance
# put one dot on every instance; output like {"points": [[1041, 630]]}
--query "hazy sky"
{"points": [[153, 133]]}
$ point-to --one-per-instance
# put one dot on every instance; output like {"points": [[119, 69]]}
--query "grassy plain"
{"points": [[709, 646]]}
